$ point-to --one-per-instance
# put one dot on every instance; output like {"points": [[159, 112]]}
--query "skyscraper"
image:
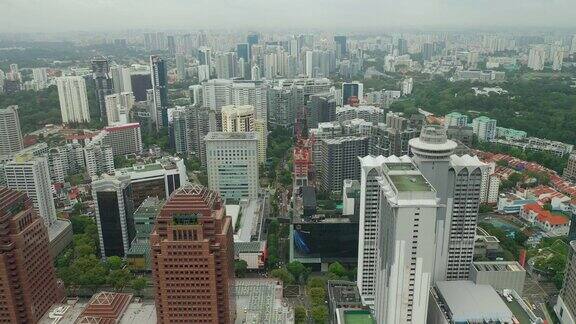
{"points": [[341, 46], [457, 181], [10, 133], [402, 46], [30, 174], [537, 58], [232, 161], [159, 76], [193, 259], [181, 66], [406, 238], [252, 39], [74, 101], [121, 79], [243, 119], [353, 89], [114, 210], [28, 283], [484, 128], [118, 107], [102, 82], [242, 51], [339, 160]]}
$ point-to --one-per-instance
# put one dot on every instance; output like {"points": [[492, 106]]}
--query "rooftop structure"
{"points": [[354, 316], [260, 301], [499, 274]]}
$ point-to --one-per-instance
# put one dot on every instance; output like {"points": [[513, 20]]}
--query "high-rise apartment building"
{"points": [[102, 82], [159, 74], [10, 133], [114, 209], [339, 161], [537, 58], [484, 128], [251, 93], [406, 243], [402, 46], [455, 119], [99, 159], [193, 259], [30, 174], [557, 53], [565, 307], [243, 119], [118, 106], [181, 65], [28, 284], [232, 161], [123, 139], [321, 108], [74, 101], [341, 46], [40, 78], [121, 79], [457, 181]]}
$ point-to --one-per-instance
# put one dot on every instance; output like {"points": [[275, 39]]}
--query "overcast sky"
{"points": [[75, 15]]}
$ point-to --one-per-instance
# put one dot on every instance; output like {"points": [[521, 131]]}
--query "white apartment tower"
{"points": [[243, 119], [406, 243], [118, 107], [30, 174], [121, 79], [458, 182], [73, 99], [371, 169], [10, 133], [537, 58]]}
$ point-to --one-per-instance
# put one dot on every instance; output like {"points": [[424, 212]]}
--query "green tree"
{"points": [[317, 296], [138, 284], [119, 278], [337, 270], [283, 275], [320, 314], [316, 282], [300, 314], [240, 268], [114, 263]]}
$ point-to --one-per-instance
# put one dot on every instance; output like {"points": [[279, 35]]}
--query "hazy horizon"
{"points": [[103, 15]]}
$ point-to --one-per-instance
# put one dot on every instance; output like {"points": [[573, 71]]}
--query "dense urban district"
{"points": [[230, 177]]}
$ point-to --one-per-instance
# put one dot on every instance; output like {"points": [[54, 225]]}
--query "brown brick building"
{"points": [[193, 259], [28, 285]]}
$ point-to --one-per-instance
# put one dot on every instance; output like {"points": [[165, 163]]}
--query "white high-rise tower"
{"points": [[73, 99]]}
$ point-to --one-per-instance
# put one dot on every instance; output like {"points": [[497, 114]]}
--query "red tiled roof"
{"points": [[545, 215]]}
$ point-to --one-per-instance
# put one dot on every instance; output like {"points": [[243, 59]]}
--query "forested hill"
{"points": [[543, 108]]}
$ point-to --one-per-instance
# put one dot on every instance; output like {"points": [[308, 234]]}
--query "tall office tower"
{"points": [[74, 101], [402, 46], [457, 182], [484, 128], [455, 119], [557, 53], [225, 64], [232, 161], [341, 46], [353, 89], [102, 83], [339, 161], [252, 39], [114, 208], [30, 174], [242, 69], [121, 79], [181, 66], [28, 284], [255, 73], [321, 108], [160, 88], [2, 81], [155, 41], [99, 159], [242, 51], [205, 56], [199, 121], [406, 243], [118, 107], [398, 134], [10, 133], [203, 73], [537, 58], [141, 82], [40, 77], [427, 51], [565, 307], [198, 286]]}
